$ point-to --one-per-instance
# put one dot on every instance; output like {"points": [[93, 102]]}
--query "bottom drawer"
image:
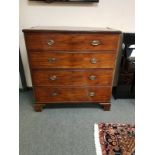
{"points": [[72, 94]]}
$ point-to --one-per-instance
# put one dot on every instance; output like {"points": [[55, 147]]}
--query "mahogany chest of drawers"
{"points": [[72, 65]]}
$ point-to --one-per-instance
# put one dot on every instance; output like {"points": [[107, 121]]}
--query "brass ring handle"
{"points": [[92, 77], [91, 94], [54, 94], [95, 42], [51, 59], [54, 77], [93, 60], [50, 42]]}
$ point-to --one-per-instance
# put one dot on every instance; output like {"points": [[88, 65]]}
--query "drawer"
{"points": [[69, 41], [72, 94], [90, 77], [71, 60]]}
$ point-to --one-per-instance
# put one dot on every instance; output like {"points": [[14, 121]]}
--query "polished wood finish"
{"points": [[72, 94], [39, 41], [71, 60], [72, 65], [76, 77]]}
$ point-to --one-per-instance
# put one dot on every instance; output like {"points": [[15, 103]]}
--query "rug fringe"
{"points": [[97, 141]]}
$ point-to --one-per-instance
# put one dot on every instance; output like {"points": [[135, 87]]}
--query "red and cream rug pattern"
{"points": [[114, 139]]}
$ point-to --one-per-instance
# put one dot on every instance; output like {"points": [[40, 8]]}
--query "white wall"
{"points": [[118, 14]]}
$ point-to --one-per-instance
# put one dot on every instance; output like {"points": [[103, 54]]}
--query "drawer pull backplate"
{"points": [[51, 59], [50, 42], [54, 77], [95, 42], [54, 94], [91, 94], [92, 77], [93, 60]]}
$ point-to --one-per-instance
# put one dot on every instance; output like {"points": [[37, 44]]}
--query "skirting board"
{"points": [[97, 141]]}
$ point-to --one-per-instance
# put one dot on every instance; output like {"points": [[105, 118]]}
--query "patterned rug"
{"points": [[114, 139]]}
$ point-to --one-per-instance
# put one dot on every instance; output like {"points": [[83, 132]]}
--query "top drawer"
{"points": [[71, 41]]}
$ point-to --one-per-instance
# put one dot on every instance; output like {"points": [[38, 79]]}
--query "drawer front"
{"points": [[91, 77], [59, 41], [72, 94], [71, 60]]}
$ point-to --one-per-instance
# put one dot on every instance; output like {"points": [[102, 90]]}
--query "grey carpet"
{"points": [[66, 131]]}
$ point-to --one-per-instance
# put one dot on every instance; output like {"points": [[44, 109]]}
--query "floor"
{"points": [[66, 130]]}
